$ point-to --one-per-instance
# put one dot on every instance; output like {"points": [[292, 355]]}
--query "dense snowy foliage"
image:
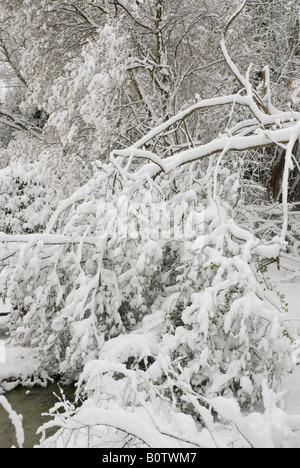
{"points": [[137, 219], [88, 283], [26, 203]]}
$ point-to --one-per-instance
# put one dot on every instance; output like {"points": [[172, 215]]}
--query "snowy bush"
{"points": [[25, 200], [83, 284], [123, 409], [61, 171]]}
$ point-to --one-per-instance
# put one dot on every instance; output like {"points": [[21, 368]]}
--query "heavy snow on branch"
{"points": [[268, 127]]}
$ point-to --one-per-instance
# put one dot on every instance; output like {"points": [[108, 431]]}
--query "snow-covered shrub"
{"points": [[84, 283], [63, 171], [225, 337], [133, 416], [122, 408], [25, 200]]}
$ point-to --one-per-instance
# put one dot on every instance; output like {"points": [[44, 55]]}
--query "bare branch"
{"points": [[17, 123], [10, 61], [235, 16]]}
